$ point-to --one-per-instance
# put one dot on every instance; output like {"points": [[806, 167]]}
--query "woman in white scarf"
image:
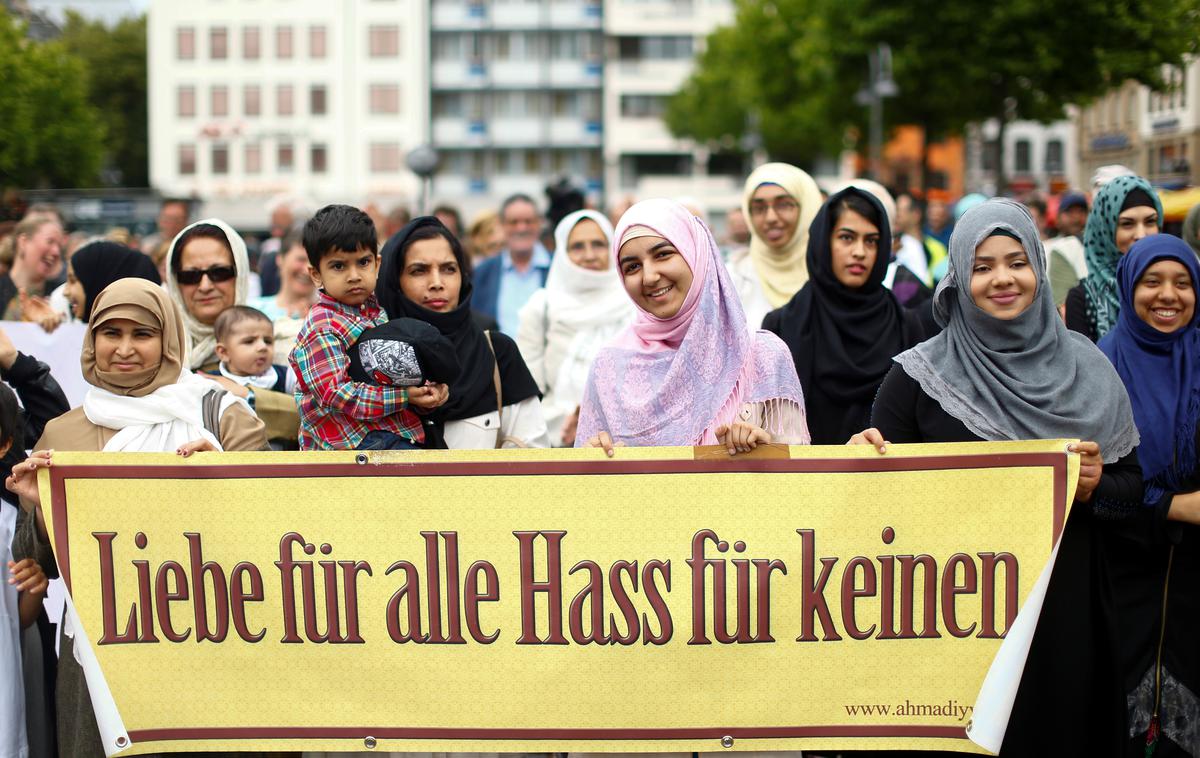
{"points": [[214, 251], [581, 307]]}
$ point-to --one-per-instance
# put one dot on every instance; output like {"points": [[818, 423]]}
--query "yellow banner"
{"points": [[668, 599]]}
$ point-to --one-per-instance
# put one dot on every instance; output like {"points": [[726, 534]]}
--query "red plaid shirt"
{"points": [[335, 412]]}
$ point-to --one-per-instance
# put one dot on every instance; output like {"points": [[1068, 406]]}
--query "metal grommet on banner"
{"points": [[369, 742], [970, 723], [122, 741], [361, 459], [727, 741]]}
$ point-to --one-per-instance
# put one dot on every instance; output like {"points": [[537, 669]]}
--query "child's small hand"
{"points": [[195, 446], [28, 576], [428, 397]]}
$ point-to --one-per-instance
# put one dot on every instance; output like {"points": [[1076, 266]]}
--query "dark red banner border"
{"points": [[59, 475], [451, 733]]}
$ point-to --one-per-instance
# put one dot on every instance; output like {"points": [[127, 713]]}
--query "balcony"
{"points": [[575, 132], [456, 131], [459, 75], [583, 14], [459, 16], [576, 75]]}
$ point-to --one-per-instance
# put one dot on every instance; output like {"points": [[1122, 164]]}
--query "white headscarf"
{"points": [[579, 297], [202, 341]]}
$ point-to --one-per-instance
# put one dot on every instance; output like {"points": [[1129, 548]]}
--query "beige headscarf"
{"points": [[782, 272], [145, 303], [203, 343]]}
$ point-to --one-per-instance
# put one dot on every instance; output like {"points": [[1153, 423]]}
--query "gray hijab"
{"points": [[1027, 378]]}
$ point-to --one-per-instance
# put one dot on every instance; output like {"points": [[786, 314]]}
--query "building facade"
{"points": [[650, 50], [317, 100], [1155, 133], [515, 97], [323, 101], [1038, 158]]}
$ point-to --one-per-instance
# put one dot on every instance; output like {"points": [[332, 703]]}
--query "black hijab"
{"points": [[99, 264], [473, 393], [842, 339]]}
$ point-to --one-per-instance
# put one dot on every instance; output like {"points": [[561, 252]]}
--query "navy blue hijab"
{"points": [[1160, 370]]}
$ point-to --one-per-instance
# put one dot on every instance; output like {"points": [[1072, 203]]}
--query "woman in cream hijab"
{"points": [[208, 272], [779, 202], [143, 398]]}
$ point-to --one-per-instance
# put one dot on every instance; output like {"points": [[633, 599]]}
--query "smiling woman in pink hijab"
{"points": [[688, 371]]}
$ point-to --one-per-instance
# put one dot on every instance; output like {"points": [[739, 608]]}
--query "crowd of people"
{"points": [[855, 316]]}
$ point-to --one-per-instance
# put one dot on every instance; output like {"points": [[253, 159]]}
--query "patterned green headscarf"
{"points": [[1101, 253]]}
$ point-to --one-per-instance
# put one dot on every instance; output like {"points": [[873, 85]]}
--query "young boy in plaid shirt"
{"points": [[335, 412]]}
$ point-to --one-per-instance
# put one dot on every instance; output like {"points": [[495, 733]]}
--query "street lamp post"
{"points": [[879, 86], [423, 161]]}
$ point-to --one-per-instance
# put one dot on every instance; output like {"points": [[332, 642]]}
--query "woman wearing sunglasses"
{"points": [[207, 272]]}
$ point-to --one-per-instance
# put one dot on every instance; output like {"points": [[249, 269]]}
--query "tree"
{"points": [[115, 59], [50, 136], [801, 62]]}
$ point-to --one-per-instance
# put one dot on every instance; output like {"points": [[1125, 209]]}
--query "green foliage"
{"points": [[50, 136], [797, 64], [115, 58]]}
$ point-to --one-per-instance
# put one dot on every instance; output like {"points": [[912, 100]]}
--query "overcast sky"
{"points": [[104, 10]]}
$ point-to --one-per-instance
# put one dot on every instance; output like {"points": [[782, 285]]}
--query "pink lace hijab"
{"points": [[673, 381]]}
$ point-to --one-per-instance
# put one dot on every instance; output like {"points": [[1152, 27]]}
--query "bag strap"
{"points": [[210, 407], [496, 382]]}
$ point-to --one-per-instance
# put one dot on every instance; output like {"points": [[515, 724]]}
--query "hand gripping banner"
{"points": [[668, 599]]}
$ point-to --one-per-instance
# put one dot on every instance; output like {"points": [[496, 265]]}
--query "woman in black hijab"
{"points": [[97, 265], [494, 402], [843, 327]]}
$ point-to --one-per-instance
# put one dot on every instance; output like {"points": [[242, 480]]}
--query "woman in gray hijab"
{"points": [[1005, 367]]}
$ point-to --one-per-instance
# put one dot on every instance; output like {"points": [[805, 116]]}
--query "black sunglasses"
{"points": [[215, 274]]}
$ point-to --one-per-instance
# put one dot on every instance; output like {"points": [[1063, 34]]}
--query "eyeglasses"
{"points": [[783, 206], [215, 274]]}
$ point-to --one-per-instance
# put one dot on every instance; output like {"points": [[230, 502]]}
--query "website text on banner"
{"points": [[668, 599]]}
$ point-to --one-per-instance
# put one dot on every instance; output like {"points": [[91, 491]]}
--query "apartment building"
{"points": [[1155, 133], [650, 48], [257, 98], [515, 95], [1037, 157]]}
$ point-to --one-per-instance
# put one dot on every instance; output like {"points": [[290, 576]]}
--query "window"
{"points": [[219, 100], [283, 100], [533, 162], [316, 42], [186, 101], [185, 43], [654, 48], [253, 159], [1021, 156], [220, 159], [187, 160], [385, 157], [251, 43], [316, 100], [1054, 156], [252, 100], [285, 157], [385, 99], [318, 159], [643, 106], [383, 41], [283, 42], [218, 43]]}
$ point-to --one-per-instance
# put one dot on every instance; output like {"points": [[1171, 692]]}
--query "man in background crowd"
{"points": [[504, 283]]}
